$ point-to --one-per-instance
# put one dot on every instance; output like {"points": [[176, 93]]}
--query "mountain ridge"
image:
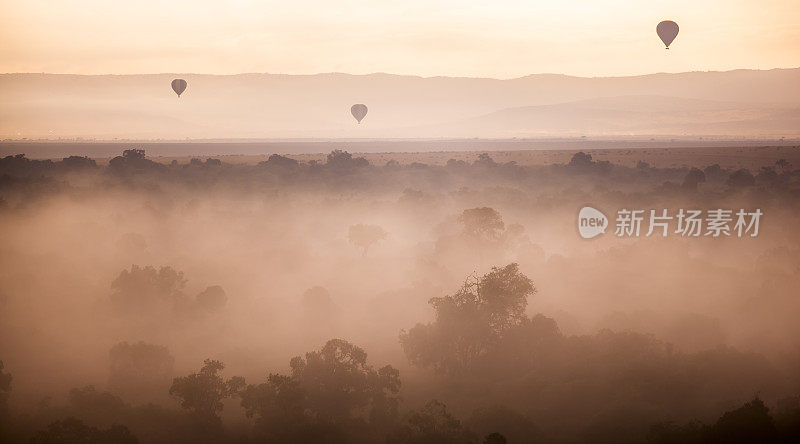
{"points": [[142, 106]]}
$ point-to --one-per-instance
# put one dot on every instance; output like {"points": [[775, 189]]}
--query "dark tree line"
{"points": [[343, 170]]}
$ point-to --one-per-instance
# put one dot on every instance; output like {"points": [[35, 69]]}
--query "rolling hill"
{"points": [[742, 102]]}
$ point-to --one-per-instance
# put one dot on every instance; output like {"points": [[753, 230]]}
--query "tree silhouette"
{"points": [[470, 322], [482, 223], [72, 430], [741, 179], [338, 381], [502, 422], [343, 161], [580, 160], [202, 393], [485, 161], [280, 162], [136, 370], [329, 391], [692, 179], [78, 163], [364, 236], [749, 423], [144, 288], [431, 424], [211, 299], [133, 160]]}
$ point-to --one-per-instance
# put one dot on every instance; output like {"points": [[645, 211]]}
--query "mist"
{"points": [[456, 297]]}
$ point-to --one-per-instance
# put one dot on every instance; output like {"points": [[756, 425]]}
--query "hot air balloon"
{"points": [[667, 30], [179, 86], [359, 110]]}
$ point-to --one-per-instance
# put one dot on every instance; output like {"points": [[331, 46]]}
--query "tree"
{"points": [[143, 288], [767, 175], [741, 179], [392, 165], [211, 299], [342, 161], [787, 419], [503, 423], [72, 430], [456, 164], [749, 423], [89, 399], [338, 382], [713, 171], [580, 160], [431, 424], [471, 322], [484, 160], [364, 236], [279, 407], [202, 393], [139, 371], [482, 223], [281, 162], [693, 178], [133, 154], [278, 401], [78, 163], [329, 391], [132, 160]]}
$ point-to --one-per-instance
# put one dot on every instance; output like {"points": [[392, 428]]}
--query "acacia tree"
{"points": [[364, 236], [482, 223], [471, 322], [343, 161], [202, 393]]}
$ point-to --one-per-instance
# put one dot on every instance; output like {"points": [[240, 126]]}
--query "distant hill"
{"points": [[743, 102], [635, 115]]}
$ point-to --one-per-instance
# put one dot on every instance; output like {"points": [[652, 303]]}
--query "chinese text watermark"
{"points": [[687, 223]]}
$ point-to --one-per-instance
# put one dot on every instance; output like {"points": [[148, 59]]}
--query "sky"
{"points": [[499, 39]]}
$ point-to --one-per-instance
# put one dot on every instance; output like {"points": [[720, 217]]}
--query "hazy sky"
{"points": [[498, 38]]}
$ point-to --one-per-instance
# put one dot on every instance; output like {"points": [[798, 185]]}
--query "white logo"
{"points": [[591, 222]]}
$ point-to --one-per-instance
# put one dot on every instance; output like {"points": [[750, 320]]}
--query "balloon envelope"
{"points": [[179, 86], [359, 110], [667, 30]]}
